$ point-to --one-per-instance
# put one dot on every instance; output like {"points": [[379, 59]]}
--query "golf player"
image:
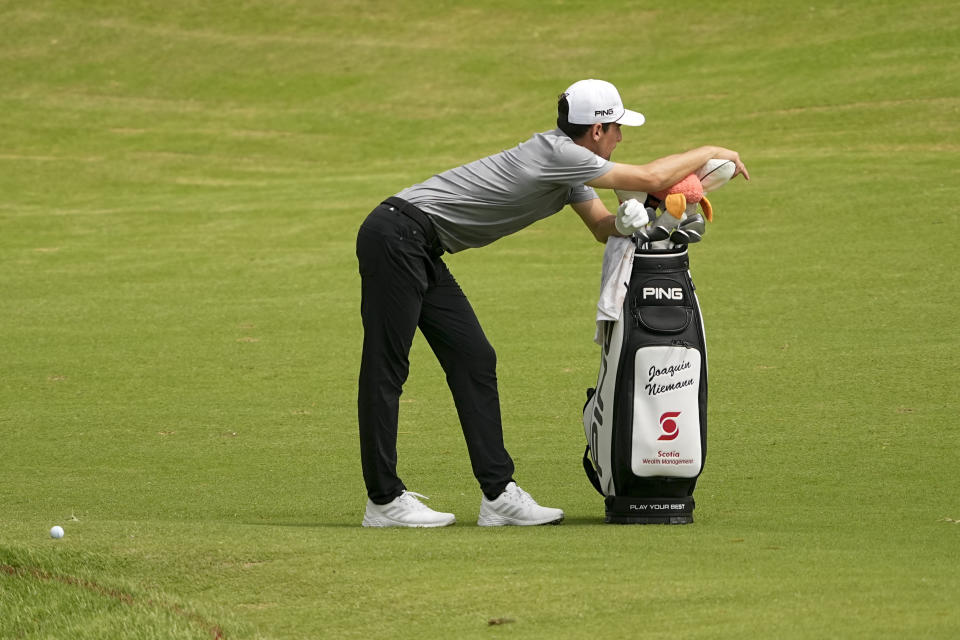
{"points": [[406, 285]]}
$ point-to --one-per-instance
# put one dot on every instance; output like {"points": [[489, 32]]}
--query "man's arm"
{"points": [[664, 172], [599, 220]]}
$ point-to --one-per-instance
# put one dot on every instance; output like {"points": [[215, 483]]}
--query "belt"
{"points": [[422, 220]]}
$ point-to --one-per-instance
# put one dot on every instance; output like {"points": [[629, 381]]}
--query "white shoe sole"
{"points": [[504, 521], [383, 522]]}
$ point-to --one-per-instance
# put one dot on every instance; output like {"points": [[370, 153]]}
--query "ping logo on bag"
{"points": [[660, 293], [669, 425], [657, 292]]}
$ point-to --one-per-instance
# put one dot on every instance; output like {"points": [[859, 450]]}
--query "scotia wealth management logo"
{"points": [[669, 425]]}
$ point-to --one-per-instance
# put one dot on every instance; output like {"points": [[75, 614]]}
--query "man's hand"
{"points": [[631, 217], [728, 154]]}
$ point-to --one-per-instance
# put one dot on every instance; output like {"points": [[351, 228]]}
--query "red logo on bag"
{"points": [[669, 425]]}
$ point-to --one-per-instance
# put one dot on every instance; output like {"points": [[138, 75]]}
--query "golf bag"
{"points": [[646, 420]]}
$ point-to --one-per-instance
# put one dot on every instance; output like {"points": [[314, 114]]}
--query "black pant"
{"points": [[406, 285]]}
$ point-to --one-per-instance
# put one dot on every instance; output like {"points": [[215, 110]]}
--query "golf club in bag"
{"points": [[646, 420]]}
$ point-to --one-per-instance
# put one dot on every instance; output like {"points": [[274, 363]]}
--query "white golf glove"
{"points": [[631, 217]]}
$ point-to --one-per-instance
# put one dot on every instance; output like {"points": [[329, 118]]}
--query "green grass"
{"points": [[180, 186]]}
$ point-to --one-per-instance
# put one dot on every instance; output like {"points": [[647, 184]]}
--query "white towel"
{"points": [[614, 281]]}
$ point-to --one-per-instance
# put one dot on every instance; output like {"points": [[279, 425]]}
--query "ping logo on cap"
{"points": [[604, 112]]}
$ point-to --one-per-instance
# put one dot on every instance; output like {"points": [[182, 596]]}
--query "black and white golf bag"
{"points": [[646, 421]]}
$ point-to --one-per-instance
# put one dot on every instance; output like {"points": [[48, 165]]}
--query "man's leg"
{"points": [[394, 269], [451, 327]]}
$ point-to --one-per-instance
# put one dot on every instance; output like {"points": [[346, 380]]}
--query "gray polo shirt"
{"points": [[477, 203]]}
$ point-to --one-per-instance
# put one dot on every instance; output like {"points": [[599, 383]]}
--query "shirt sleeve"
{"points": [[581, 193]]}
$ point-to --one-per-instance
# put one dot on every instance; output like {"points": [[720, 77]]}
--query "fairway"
{"points": [[180, 190]]}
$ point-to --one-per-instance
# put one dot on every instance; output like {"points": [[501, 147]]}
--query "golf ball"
{"points": [[56, 532]]}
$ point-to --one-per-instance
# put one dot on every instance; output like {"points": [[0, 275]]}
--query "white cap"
{"points": [[593, 101]]}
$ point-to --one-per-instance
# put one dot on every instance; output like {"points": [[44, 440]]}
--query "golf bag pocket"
{"points": [[664, 319], [666, 436]]}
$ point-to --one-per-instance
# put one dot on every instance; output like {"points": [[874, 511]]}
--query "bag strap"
{"points": [[591, 472]]}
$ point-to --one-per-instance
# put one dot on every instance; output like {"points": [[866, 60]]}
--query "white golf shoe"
{"points": [[515, 507], [405, 511]]}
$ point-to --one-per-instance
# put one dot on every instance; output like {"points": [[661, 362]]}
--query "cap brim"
{"points": [[631, 118]]}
